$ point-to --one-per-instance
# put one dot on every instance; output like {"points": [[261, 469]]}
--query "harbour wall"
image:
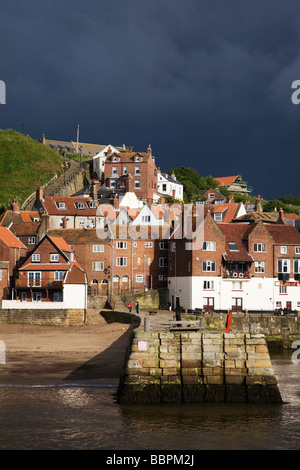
{"points": [[45, 317], [195, 367]]}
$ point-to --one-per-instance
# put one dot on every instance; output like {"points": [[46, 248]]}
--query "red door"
{"points": [[237, 304]]}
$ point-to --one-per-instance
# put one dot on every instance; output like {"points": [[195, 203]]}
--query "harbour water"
{"points": [[87, 417]]}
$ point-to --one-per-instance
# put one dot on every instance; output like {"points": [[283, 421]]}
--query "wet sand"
{"points": [[46, 355]]}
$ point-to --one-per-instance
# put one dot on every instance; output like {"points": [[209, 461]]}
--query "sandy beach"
{"points": [[43, 355]]}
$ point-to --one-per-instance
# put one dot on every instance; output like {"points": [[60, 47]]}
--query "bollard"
{"points": [[146, 324]]}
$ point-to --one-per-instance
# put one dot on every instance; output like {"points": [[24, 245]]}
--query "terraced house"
{"points": [[240, 266]]}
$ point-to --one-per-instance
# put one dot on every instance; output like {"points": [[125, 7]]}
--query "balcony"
{"points": [[38, 283], [236, 275]]}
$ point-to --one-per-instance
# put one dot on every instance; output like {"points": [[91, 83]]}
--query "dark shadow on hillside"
{"points": [[106, 365]]}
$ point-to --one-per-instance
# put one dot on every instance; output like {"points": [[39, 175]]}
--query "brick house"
{"points": [[254, 267], [136, 171], [50, 277], [127, 262], [23, 224], [12, 253]]}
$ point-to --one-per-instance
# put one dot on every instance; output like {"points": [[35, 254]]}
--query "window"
{"points": [[116, 279], [114, 170], [121, 261], [24, 297], [163, 245], [163, 262], [283, 250], [237, 285], [148, 244], [112, 184], [54, 257], [259, 247], [233, 246], [137, 170], [139, 260], [297, 250], [36, 258], [208, 266], [283, 265], [149, 260], [98, 266], [282, 290], [297, 266], [81, 221], [146, 218], [92, 205], [79, 205], [259, 267], [125, 170], [139, 278], [36, 297], [218, 216], [61, 205], [58, 275], [98, 248], [137, 158], [209, 246], [164, 187], [137, 184], [31, 240], [125, 279], [211, 196], [160, 277], [122, 245], [58, 297], [208, 285], [278, 304]]}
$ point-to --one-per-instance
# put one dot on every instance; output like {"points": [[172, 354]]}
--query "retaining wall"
{"points": [[195, 367], [50, 317]]}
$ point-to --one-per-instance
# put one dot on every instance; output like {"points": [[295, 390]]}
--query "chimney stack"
{"points": [[149, 151], [258, 204], [39, 193], [64, 226], [15, 206]]}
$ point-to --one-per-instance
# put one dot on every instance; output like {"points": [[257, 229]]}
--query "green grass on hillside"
{"points": [[25, 164]]}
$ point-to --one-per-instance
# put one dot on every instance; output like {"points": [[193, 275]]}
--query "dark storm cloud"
{"points": [[207, 83]]}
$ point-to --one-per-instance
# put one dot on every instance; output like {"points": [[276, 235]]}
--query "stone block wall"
{"points": [[195, 367], [51, 317]]}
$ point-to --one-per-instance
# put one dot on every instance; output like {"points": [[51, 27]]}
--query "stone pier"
{"points": [[196, 367]]}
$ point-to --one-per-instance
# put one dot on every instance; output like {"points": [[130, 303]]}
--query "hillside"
{"points": [[25, 164]]}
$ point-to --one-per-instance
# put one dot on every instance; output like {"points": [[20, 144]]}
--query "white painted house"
{"points": [[100, 157], [168, 185]]}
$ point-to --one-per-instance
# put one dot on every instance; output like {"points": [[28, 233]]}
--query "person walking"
{"points": [[137, 307], [130, 305]]}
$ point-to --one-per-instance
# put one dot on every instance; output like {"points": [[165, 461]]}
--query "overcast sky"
{"points": [[206, 83]]}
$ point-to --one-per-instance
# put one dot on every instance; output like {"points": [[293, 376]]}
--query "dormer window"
{"points": [[115, 159], [36, 258], [61, 205], [137, 158], [54, 257], [79, 205]]}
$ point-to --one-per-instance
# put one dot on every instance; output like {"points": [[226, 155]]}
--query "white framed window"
{"points": [[297, 266], [112, 184], [160, 277], [36, 258], [125, 170], [58, 275], [137, 170], [237, 285], [278, 303], [135, 244], [297, 250], [98, 266], [208, 266], [283, 250], [282, 289], [208, 285], [139, 260], [218, 216], [24, 297], [98, 248], [61, 205], [79, 205], [137, 184], [260, 247], [114, 170], [146, 218], [283, 265], [116, 278], [122, 245], [81, 221], [209, 246], [139, 278], [125, 279], [31, 240], [163, 262], [121, 261], [148, 244], [54, 257], [259, 267]]}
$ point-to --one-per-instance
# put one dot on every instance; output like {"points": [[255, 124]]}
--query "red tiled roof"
{"points": [[71, 209], [61, 244], [235, 233], [285, 234], [226, 180], [9, 238]]}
